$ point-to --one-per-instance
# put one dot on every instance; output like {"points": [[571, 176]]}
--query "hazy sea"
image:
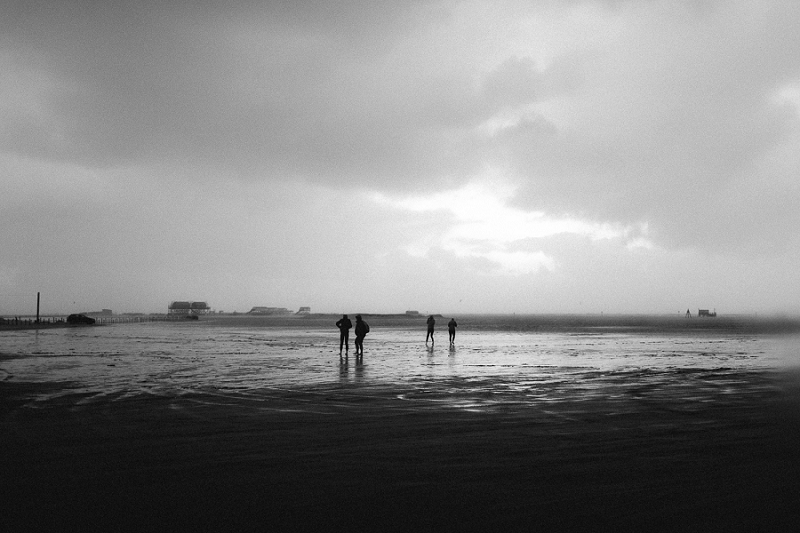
{"points": [[496, 361]]}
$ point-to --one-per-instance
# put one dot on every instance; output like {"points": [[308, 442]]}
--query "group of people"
{"points": [[362, 328], [451, 328]]}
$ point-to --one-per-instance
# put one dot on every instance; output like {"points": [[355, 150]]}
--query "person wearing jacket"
{"points": [[362, 328], [344, 326], [451, 328], [431, 323]]}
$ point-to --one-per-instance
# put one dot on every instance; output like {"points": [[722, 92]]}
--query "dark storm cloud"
{"points": [[350, 93], [284, 88]]}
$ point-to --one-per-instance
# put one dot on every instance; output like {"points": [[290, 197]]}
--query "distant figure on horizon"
{"points": [[451, 328], [688, 314], [344, 326], [431, 322], [362, 328]]}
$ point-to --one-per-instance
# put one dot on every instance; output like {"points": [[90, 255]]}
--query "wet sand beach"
{"points": [[379, 463], [714, 450]]}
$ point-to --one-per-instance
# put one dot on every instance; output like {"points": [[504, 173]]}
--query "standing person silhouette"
{"points": [[362, 328], [431, 322], [344, 326], [451, 328]]}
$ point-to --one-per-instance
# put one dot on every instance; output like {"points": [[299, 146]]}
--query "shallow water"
{"points": [[490, 366], [552, 423]]}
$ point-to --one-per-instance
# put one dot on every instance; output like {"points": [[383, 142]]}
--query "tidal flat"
{"points": [[524, 424]]}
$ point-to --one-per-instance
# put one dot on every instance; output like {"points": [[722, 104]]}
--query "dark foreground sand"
{"points": [[344, 460]]}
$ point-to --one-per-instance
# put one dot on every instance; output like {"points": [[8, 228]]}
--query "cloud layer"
{"points": [[557, 146]]}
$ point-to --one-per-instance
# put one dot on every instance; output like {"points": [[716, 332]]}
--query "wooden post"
{"points": [[37, 306]]}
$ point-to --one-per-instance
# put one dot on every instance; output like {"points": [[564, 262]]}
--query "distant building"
{"points": [[304, 311], [412, 313], [269, 311], [104, 312], [188, 308], [179, 308], [706, 312]]}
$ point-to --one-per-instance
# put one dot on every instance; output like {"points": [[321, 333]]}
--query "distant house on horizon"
{"points": [[188, 308], [269, 311], [304, 311], [104, 312]]}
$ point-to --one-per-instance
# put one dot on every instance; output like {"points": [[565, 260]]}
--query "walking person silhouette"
{"points": [[362, 328], [344, 326], [431, 322], [451, 328]]}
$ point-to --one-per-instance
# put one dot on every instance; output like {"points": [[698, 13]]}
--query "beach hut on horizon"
{"points": [[188, 308], [261, 310]]}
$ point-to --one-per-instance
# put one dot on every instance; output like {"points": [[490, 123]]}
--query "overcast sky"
{"points": [[451, 157]]}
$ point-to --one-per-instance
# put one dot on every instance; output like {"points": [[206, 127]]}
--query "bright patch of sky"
{"points": [[789, 94], [480, 222]]}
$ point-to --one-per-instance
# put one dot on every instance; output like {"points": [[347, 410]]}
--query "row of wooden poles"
{"points": [[132, 319], [48, 320], [25, 320]]}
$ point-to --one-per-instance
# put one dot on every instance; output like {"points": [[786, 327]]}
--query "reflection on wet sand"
{"points": [[166, 427]]}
